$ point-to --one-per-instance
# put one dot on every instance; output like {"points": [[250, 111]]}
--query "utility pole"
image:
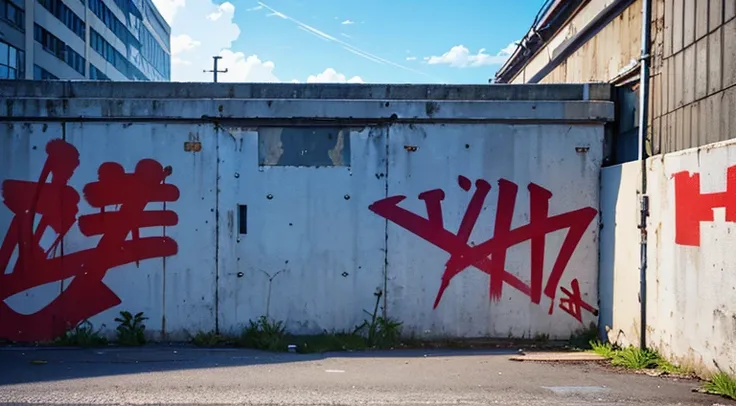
{"points": [[214, 70]]}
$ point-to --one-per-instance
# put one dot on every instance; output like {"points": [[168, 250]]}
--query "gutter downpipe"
{"points": [[644, 199]]}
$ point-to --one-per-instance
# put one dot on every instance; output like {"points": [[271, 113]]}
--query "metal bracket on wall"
{"points": [[190, 146]]}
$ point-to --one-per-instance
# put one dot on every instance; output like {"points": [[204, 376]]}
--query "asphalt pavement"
{"points": [[188, 375]]}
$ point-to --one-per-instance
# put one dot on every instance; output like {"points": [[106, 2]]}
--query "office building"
{"points": [[84, 39]]}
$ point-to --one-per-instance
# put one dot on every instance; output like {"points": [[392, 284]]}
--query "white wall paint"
{"points": [[691, 294], [317, 226]]}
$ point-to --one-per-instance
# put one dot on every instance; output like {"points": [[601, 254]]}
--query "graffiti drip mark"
{"points": [[490, 256], [57, 205], [693, 207]]}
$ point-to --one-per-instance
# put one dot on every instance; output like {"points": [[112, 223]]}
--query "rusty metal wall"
{"points": [[693, 67], [693, 80], [206, 213]]}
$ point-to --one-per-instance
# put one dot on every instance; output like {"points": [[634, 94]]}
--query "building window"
{"points": [[112, 55], [96, 74], [40, 73], [59, 48], [65, 15], [12, 62], [12, 14]]}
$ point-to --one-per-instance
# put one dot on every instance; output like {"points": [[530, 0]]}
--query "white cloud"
{"points": [[347, 22], [460, 57], [256, 8], [411, 58], [203, 29], [225, 8], [345, 45], [331, 76], [344, 35]]}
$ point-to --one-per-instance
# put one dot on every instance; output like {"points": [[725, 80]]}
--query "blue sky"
{"points": [[374, 41]]}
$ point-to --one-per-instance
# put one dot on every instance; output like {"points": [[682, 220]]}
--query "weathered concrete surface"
{"points": [[691, 296], [181, 375], [163, 90]]}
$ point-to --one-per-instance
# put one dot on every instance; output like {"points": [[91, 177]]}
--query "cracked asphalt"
{"points": [[187, 375]]}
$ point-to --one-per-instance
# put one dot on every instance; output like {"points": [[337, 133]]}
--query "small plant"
{"points": [[264, 334], [82, 335], [636, 358], [208, 339], [541, 337], [131, 328], [605, 350], [721, 384], [382, 332]]}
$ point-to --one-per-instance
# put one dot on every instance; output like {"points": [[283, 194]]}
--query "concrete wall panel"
{"points": [[288, 208], [690, 293], [311, 254], [442, 172]]}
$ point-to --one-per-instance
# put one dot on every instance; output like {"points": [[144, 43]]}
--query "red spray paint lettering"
{"points": [[55, 202], [693, 207], [490, 256]]}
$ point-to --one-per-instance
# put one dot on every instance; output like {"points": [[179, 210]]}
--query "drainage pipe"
{"points": [[644, 199]]}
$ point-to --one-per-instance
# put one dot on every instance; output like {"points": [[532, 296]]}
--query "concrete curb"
{"points": [[558, 357]]}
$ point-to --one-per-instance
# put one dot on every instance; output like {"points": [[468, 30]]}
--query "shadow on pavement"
{"points": [[44, 364]]}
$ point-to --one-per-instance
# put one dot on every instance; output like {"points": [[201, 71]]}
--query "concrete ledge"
{"points": [[178, 90], [129, 110], [558, 357]]}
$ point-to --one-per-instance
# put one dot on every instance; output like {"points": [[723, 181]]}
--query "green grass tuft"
{"points": [[208, 339], [82, 335], [605, 350], [636, 358], [722, 384]]}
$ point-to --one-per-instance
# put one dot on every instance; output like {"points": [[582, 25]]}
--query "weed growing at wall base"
{"points": [[635, 358], [721, 384], [82, 335], [131, 328]]}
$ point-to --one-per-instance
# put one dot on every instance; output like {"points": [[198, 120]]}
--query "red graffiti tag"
{"points": [[573, 302], [490, 256], [693, 207], [56, 204]]}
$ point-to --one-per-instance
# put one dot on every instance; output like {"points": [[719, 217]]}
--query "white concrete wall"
{"points": [[691, 296], [324, 228]]}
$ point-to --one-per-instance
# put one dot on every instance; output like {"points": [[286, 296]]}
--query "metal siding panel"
{"points": [[703, 122], [695, 124], [668, 22], [679, 79], [657, 136], [701, 68], [671, 84], [729, 10], [678, 34], [714, 121], [701, 19], [728, 105], [729, 54], [521, 154], [716, 14], [689, 23], [313, 255], [688, 136], [714, 61], [688, 83]]}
